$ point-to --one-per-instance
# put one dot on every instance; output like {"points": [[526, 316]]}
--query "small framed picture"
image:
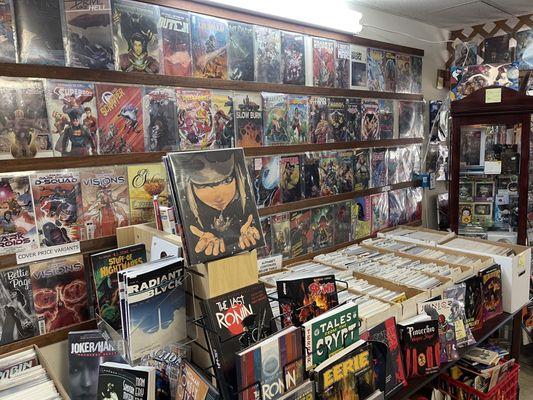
{"points": [[484, 191], [466, 190], [483, 214], [465, 213]]}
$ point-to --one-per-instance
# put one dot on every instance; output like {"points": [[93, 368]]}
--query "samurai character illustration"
{"points": [[79, 138]]}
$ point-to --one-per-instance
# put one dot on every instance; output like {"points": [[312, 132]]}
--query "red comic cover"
{"points": [[59, 292], [323, 62], [120, 118]]}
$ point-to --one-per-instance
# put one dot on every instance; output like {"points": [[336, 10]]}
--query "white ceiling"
{"points": [[451, 14]]}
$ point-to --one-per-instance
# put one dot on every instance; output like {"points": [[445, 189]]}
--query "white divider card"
{"points": [[45, 253], [269, 264]]}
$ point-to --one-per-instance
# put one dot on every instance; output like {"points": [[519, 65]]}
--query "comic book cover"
{"points": [[319, 127], [322, 225], [58, 206], [267, 54], [361, 169], [416, 69], [345, 164], [390, 71], [403, 73], [370, 120], [89, 34], [136, 37], [24, 131], [337, 119], [376, 70], [265, 180], [397, 212], [342, 65], [39, 32], [266, 227], [524, 46], [361, 217], [491, 286], [16, 297], [393, 160], [405, 167], [353, 119], [223, 119], [311, 167], [386, 119], [359, 59], [8, 52], [281, 234], [209, 38], [159, 116], [146, 182], [301, 233], [465, 53], [474, 302], [290, 180], [241, 51], [17, 218], [342, 228], [176, 41], [379, 203], [323, 62], [378, 168], [275, 119], [328, 164], [70, 107], [421, 339], [413, 205], [411, 119], [105, 197], [60, 291], [248, 119], [292, 58], [195, 121], [496, 50], [120, 118], [298, 114]]}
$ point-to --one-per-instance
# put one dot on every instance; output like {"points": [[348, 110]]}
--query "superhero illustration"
{"points": [[248, 119], [323, 62], [241, 51], [222, 115], [58, 207], [266, 227], [403, 73], [265, 179], [319, 127], [322, 223], [376, 70], [345, 171], [390, 71], [301, 233], [293, 58], [379, 204], [438, 310], [370, 122], [342, 65], [209, 41], [342, 229], [290, 180], [267, 48], [328, 168], [361, 217], [159, 108], [281, 234], [311, 175], [297, 118], [136, 37], [195, 119], [275, 118], [7, 33], [176, 38], [337, 119], [361, 178], [386, 119]]}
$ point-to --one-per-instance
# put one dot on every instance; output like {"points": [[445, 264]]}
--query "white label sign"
{"points": [[44, 253], [268, 264]]}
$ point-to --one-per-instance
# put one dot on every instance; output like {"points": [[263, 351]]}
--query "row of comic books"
{"points": [[301, 232], [284, 179], [74, 118], [134, 36], [50, 208]]}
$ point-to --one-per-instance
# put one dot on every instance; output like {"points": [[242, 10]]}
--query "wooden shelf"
{"points": [[318, 201]]}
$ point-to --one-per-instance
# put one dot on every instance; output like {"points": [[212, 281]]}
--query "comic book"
{"points": [[39, 32], [159, 116], [176, 41], [496, 50], [329, 183], [195, 121], [337, 119], [361, 169], [120, 118], [292, 58], [397, 212], [421, 339], [265, 180], [386, 119], [376, 70], [298, 113], [342, 65], [390, 71], [70, 107], [491, 286], [290, 180], [24, 131], [311, 168], [301, 233], [223, 119], [266, 227], [275, 119], [370, 120], [60, 291], [240, 51], [322, 225], [353, 119], [58, 206], [359, 59], [281, 234], [393, 160], [146, 182], [403, 73], [342, 228], [209, 41], [465, 53], [378, 168], [105, 197], [323, 62], [411, 119], [319, 127], [524, 44], [361, 217], [17, 218], [248, 119], [8, 51], [416, 69], [345, 163], [379, 204], [89, 34], [267, 54], [136, 37]]}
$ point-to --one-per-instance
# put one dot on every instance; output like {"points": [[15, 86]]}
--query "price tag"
{"points": [[385, 188], [493, 95], [269, 264]]}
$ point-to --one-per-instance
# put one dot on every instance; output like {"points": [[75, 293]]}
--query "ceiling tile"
{"points": [[465, 15], [513, 7]]}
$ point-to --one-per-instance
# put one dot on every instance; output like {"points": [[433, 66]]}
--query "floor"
{"points": [[526, 382]]}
